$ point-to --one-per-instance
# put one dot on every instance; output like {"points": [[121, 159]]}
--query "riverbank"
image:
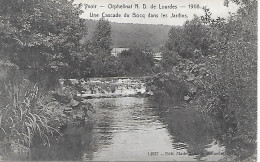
{"points": [[127, 126], [107, 120]]}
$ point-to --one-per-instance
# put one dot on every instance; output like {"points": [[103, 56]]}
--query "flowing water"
{"points": [[130, 128]]}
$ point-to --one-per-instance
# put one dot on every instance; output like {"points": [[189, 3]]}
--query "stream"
{"points": [[126, 127], [134, 129]]}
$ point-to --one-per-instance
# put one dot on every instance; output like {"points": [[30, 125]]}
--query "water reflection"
{"points": [[135, 129], [191, 132], [72, 146]]}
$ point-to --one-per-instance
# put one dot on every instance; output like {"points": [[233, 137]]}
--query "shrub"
{"points": [[166, 86]]}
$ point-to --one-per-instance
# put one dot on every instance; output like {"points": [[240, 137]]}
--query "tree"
{"points": [[239, 78], [101, 39], [224, 79], [40, 36], [103, 64], [136, 61], [185, 40]]}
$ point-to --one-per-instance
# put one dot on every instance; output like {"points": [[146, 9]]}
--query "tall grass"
{"points": [[23, 115]]}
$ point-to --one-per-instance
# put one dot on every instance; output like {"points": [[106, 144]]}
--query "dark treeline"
{"points": [[129, 35]]}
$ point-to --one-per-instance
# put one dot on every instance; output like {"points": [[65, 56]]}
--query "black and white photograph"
{"points": [[128, 80]]}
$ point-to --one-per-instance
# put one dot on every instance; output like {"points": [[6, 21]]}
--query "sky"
{"points": [[168, 12]]}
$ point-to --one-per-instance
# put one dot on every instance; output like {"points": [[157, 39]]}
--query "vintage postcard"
{"points": [[128, 80]]}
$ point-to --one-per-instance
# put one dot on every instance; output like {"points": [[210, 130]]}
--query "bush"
{"points": [[220, 78], [167, 87]]}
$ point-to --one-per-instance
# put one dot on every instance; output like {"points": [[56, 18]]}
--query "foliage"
{"points": [[166, 87], [216, 60], [101, 39], [239, 79], [23, 115], [39, 42], [186, 58], [184, 40], [30, 116], [105, 65], [102, 64], [40, 37], [136, 61], [80, 65]]}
